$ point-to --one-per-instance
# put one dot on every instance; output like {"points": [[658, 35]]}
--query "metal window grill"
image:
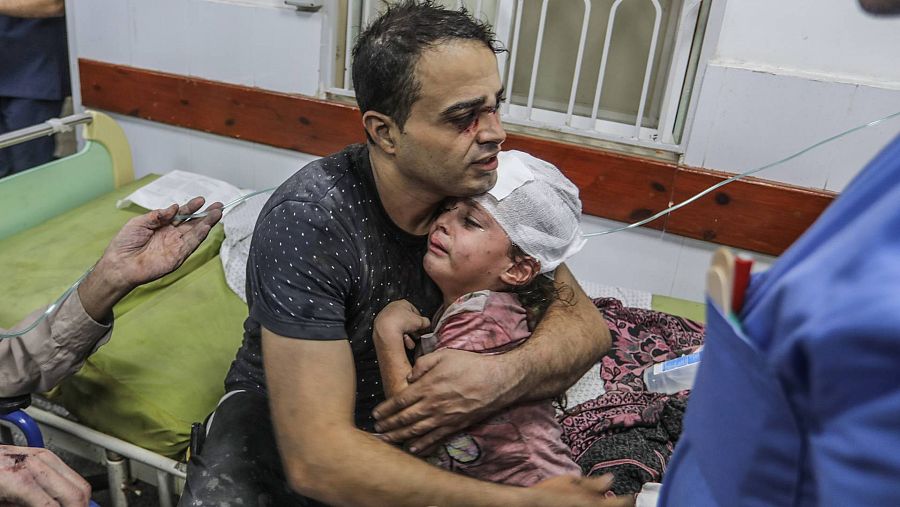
{"points": [[629, 81]]}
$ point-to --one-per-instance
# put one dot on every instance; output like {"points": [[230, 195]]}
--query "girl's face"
{"points": [[467, 250]]}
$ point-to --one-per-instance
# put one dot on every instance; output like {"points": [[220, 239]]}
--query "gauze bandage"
{"points": [[537, 207]]}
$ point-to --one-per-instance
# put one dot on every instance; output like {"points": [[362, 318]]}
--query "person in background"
{"points": [[797, 400], [146, 248], [34, 76]]}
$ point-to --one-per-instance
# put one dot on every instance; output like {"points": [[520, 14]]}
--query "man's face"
{"points": [[453, 134]]}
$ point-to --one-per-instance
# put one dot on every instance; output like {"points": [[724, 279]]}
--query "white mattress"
{"points": [[590, 386]]}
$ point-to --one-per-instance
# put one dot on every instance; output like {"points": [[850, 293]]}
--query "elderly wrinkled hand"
{"points": [[148, 247], [449, 390], [31, 476], [151, 245]]}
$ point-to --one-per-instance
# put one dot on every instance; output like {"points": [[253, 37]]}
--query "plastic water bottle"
{"points": [[673, 375]]}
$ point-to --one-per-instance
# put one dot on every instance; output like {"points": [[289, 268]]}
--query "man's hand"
{"points": [[460, 389], [399, 318], [148, 247], [596, 489], [38, 477]]}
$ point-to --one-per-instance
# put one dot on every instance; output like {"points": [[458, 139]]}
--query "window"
{"points": [[614, 70]]}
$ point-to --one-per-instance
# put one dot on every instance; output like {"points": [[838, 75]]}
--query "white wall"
{"points": [[268, 46], [158, 148], [647, 259], [832, 38], [786, 74], [782, 75]]}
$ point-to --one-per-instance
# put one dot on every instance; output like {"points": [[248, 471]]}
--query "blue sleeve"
{"points": [[828, 313], [849, 373], [299, 272], [855, 402]]}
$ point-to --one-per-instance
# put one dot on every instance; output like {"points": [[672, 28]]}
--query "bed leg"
{"points": [[164, 488], [6, 435], [117, 471]]}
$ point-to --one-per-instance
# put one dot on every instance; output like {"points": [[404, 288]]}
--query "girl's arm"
{"points": [[392, 324]]}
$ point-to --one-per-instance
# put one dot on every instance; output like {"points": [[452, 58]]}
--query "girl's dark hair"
{"points": [[386, 53], [536, 296]]}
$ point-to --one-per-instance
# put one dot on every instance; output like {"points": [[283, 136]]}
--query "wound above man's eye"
{"points": [[466, 122], [473, 124]]}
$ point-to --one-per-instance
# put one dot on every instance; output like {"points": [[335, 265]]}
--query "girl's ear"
{"points": [[521, 272]]}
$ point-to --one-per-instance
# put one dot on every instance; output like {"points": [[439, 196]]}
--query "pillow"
{"points": [[164, 366]]}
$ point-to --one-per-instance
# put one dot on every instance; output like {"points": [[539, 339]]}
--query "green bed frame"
{"points": [[104, 164]]}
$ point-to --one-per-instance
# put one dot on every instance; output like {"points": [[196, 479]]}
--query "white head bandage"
{"points": [[537, 207]]}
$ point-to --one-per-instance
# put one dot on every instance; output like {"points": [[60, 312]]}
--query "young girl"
{"points": [[493, 257]]}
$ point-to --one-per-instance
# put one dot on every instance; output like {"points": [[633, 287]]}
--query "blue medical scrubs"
{"points": [[800, 404], [34, 81]]}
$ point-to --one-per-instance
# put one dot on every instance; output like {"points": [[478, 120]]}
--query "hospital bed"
{"points": [[133, 403], [131, 406]]}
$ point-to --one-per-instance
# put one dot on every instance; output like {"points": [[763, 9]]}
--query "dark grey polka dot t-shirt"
{"points": [[324, 260]]}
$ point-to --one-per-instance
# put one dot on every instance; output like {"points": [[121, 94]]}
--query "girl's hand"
{"points": [[399, 319]]}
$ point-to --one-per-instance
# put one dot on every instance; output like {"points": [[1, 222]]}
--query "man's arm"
{"points": [[450, 389], [57, 347], [33, 8], [566, 343], [311, 391]]}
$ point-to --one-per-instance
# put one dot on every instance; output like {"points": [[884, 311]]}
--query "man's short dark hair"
{"points": [[386, 53]]}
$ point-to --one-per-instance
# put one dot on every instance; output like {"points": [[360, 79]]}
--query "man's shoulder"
{"points": [[316, 179], [328, 183]]}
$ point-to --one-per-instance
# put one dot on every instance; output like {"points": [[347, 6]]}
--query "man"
{"points": [[798, 405], [336, 243], [34, 76], [147, 247]]}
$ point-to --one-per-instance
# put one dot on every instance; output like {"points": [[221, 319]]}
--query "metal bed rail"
{"points": [[123, 461], [48, 128]]}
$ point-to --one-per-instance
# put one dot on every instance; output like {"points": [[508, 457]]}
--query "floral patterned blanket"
{"points": [[627, 430]]}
